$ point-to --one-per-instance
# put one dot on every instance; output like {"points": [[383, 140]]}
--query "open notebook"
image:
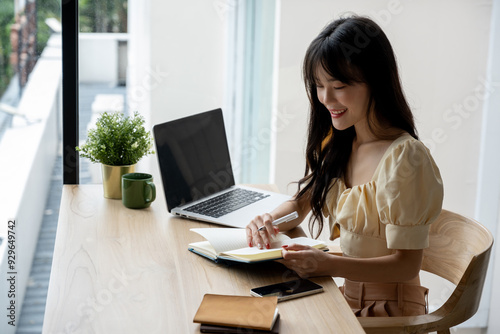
{"points": [[229, 244]]}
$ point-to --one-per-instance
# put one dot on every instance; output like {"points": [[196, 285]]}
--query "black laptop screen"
{"points": [[194, 157]]}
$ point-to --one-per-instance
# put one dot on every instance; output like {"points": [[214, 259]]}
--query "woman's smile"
{"points": [[337, 112]]}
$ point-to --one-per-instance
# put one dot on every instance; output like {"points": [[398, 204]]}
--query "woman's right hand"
{"points": [[261, 238]]}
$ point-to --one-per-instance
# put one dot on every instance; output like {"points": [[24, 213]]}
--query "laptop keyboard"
{"points": [[226, 203]]}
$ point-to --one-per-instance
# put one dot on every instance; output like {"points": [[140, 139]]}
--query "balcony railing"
{"points": [[27, 151]]}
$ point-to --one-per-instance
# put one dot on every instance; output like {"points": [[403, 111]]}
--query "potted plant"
{"points": [[117, 142]]}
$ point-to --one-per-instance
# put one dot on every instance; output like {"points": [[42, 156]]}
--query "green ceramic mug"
{"points": [[138, 190]]}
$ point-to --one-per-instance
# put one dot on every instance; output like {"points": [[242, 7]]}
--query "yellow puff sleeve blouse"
{"points": [[393, 210]]}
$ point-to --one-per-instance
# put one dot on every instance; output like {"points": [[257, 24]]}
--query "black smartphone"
{"points": [[288, 290]]}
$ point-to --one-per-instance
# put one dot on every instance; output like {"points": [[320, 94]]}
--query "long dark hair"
{"points": [[352, 49]]}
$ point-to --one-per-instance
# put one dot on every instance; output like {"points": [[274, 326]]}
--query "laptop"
{"points": [[197, 174]]}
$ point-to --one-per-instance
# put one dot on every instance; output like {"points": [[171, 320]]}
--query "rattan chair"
{"points": [[459, 251]]}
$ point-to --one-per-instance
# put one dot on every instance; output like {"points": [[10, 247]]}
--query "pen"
{"points": [[283, 219]]}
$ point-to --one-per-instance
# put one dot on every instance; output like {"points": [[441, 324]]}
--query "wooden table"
{"points": [[117, 270]]}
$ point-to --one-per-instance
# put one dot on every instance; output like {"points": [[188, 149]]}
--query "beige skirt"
{"points": [[368, 299]]}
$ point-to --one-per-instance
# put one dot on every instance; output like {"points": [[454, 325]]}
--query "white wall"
{"points": [[441, 61], [176, 59], [98, 57], [488, 199]]}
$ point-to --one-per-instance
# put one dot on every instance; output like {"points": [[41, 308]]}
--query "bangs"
{"points": [[331, 57]]}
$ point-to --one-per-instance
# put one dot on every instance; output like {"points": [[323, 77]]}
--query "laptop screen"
{"points": [[194, 157]]}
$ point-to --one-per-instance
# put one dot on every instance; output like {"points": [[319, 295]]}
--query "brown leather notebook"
{"points": [[238, 311]]}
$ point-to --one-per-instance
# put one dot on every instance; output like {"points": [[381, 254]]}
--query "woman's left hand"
{"points": [[306, 261]]}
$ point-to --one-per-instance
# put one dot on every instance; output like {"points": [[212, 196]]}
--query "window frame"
{"points": [[70, 96]]}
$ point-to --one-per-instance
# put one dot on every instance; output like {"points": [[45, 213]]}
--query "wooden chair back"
{"points": [[459, 251]]}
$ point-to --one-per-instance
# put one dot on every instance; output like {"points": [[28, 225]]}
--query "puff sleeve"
{"points": [[409, 195]]}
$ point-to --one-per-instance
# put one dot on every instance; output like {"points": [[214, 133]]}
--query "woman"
{"points": [[366, 171]]}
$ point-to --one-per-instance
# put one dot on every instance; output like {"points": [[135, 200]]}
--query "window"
{"points": [[249, 83], [251, 87]]}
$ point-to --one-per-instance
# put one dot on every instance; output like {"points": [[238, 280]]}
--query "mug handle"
{"points": [[153, 191]]}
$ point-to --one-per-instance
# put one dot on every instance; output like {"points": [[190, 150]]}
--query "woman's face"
{"points": [[347, 104]]}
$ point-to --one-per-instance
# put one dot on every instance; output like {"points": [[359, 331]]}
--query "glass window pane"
{"points": [[103, 43], [30, 155]]}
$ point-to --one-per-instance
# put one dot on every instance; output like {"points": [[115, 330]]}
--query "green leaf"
{"points": [[117, 140]]}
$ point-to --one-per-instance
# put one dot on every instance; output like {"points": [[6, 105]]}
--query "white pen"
{"points": [[283, 219]]}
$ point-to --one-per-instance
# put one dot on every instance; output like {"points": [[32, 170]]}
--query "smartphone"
{"points": [[288, 290]]}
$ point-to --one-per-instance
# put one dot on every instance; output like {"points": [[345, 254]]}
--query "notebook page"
{"points": [[228, 239], [276, 244]]}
